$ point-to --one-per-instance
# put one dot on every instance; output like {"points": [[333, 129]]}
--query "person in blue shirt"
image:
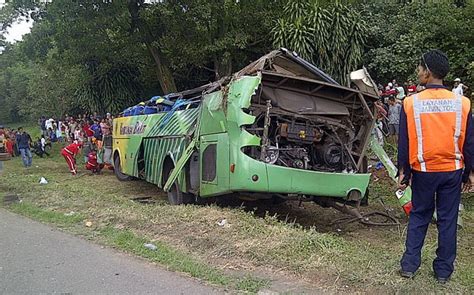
{"points": [[52, 135], [23, 140], [97, 130]]}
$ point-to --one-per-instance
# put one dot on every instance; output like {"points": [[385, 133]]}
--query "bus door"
{"points": [[214, 164]]}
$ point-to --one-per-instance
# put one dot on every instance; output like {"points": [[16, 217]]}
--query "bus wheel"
{"points": [[118, 170], [176, 196]]}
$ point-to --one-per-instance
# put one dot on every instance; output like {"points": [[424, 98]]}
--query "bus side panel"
{"points": [[159, 135], [168, 138], [213, 118], [128, 133], [156, 150]]}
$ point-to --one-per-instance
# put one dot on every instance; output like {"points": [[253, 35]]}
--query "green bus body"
{"points": [[204, 145]]}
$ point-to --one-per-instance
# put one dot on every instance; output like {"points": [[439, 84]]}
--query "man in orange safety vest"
{"points": [[436, 145]]}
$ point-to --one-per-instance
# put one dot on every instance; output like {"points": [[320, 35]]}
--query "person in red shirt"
{"points": [[9, 146], [92, 163], [87, 130], [411, 87], [69, 153]]}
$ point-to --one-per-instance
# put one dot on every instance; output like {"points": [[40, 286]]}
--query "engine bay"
{"points": [[305, 129]]}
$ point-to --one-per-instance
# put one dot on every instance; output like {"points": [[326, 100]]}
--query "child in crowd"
{"points": [[59, 133], [9, 146], [78, 134], [43, 146]]}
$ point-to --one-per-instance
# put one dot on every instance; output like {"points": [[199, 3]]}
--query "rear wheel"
{"points": [[176, 196], [118, 170], [365, 169]]}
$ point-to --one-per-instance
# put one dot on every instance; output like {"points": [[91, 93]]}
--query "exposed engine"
{"points": [[311, 142]]}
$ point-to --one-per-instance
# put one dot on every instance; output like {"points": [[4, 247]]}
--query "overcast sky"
{"points": [[21, 27], [18, 29]]}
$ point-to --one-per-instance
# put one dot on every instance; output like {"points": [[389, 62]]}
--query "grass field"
{"points": [[288, 248]]}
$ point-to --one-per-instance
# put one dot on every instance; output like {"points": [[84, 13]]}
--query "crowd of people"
{"points": [[91, 134], [16, 142], [390, 104]]}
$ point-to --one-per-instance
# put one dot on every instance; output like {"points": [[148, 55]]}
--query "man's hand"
{"points": [[466, 188], [402, 185]]}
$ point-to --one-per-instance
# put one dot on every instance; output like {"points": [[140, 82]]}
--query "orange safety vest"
{"points": [[436, 121]]}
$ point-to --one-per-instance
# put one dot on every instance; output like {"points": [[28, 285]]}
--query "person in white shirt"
{"points": [[459, 87], [43, 147], [49, 125], [400, 92]]}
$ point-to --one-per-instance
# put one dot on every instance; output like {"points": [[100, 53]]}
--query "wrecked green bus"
{"points": [[279, 128]]}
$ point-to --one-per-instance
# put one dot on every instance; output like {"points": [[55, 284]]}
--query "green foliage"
{"points": [[206, 40], [110, 91], [104, 55], [332, 36], [94, 55], [401, 32]]}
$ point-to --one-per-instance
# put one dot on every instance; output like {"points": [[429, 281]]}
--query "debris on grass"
{"points": [[223, 223], [150, 246], [43, 181]]}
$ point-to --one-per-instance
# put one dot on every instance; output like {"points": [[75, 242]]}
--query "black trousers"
{"points": [[440, 190]]}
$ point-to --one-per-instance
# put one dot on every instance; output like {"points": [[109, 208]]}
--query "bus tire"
{"points": [[364, 202], [176, 196], [117, 170]]}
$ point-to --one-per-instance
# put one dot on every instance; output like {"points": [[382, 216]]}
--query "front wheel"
{"points": [[118, 171]]}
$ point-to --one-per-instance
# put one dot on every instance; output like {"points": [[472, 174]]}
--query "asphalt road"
{"points": [[35, 258]]}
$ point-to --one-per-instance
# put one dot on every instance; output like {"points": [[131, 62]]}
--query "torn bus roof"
{"points": [[278, 63], [286, 63]]}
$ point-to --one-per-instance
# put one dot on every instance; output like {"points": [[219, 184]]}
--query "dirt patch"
{"points": [[9, 199]]}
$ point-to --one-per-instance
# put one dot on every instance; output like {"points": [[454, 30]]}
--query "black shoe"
{"points": [[407, 274], [442, 280]]}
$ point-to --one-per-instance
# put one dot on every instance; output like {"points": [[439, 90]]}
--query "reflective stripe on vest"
{"points": [[419, 133], [457, 130], [437, 106]]}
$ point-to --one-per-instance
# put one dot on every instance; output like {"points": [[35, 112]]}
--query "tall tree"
{"points": [[330, 35], [217, 36], [140, 25], [400, 33]]}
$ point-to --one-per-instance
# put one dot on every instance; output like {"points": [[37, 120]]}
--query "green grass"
{"points": [[173, 259], [56, 218], [177, 261], [355, 259]]}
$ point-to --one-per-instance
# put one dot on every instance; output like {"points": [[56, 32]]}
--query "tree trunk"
{"points": [[165, 77], [223, 60], [164, 74], [222, 66]]}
